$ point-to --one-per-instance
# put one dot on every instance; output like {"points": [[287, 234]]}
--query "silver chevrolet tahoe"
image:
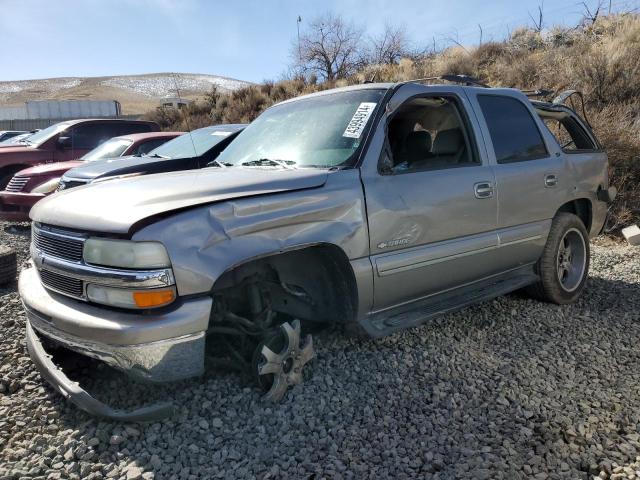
{"points": [[376, 207]]}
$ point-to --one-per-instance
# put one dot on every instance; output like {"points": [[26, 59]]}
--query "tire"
{"points": [[563, 267], [8, 265]]}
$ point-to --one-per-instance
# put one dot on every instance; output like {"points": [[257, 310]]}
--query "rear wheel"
{"points": [[564, 265]]}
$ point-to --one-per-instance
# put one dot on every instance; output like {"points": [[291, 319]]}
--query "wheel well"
{"points": [[322, 272], [581, 208]]}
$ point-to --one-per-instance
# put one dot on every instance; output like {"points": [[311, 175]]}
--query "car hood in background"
{"points": [[115, 206], [49, 168], [89, 171]]}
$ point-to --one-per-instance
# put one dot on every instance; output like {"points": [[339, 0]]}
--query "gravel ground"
{"points": [[511, 388]]}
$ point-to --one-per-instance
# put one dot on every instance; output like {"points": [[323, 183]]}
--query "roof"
{"points": [[136, 137], [83, 120]]}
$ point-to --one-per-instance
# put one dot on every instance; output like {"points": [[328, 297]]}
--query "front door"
{"points": [[431, 202]]}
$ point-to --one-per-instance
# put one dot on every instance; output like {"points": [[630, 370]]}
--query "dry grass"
{"points": [[601, 60]]}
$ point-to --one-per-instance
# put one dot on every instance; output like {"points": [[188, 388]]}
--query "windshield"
{"points": [[16, 139], [109, 149], [323, 131], [195, 144], [45, 134]]}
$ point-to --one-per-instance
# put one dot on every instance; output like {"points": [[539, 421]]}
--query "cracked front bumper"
{"points": [[152, 346]]}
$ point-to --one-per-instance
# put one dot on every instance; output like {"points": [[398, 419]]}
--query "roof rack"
{"points": [[540, 92], [462, 79]]}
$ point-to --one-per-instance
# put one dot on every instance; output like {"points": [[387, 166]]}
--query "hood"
{"points": [[109, 166], [116, 205], [50, 168]]}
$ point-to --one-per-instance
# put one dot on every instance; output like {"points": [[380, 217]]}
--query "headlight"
{"points": [[125, 253], [47, 187], [125, 298]]}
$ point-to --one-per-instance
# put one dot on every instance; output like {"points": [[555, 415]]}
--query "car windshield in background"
{"points": [[45, 134], [191, 144], [322, 131], [109, 149]]}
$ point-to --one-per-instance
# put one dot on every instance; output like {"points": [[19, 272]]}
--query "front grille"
{"points": [[59, 246], [67, 184], [16, 184], [62, 283]]}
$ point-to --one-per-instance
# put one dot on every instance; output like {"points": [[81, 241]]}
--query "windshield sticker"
{"points": [[359, 120], [220, 133]]}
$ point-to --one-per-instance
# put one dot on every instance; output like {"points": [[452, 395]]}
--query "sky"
{"points": [[244, 39]]}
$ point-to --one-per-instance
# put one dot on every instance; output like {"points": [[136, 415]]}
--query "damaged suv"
{"points": [[376, 206]]}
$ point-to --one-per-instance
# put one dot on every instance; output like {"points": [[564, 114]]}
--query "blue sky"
{"points": [[249, 40]]}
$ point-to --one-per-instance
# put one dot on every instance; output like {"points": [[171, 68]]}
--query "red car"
{"points": [[28, 186]]}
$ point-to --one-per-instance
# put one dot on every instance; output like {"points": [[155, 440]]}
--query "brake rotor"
{"points": [[281, 359]]}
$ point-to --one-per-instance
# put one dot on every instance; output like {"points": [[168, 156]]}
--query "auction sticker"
{"points": [[220, 133], [359, 120]]}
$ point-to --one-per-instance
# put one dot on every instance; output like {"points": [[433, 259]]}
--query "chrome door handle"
{"points": [[550, 180], [483, 190]]}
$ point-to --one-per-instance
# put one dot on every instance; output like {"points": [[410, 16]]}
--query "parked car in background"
{"points": [[7, 134], [32, 184], [65, 141], [17, 139], [378, 206], [192, 150]]}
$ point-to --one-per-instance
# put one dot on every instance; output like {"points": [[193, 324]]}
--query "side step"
{"points": [[379, 324]]}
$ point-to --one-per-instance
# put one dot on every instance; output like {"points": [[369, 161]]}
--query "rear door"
{"points": [[430, 195], [529, 169]]}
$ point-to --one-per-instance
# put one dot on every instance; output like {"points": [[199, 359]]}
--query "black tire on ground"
{"points": [[8, 265], [564, 265]]}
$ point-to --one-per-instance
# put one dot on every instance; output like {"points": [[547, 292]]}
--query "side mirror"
{"points": [[64, 143]]}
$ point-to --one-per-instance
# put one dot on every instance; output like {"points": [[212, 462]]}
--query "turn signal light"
{"points": [[154, 298]]}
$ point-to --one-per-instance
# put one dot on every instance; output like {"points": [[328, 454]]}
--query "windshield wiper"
{"points": [[157, 155], [219, 164], [290, 164]]}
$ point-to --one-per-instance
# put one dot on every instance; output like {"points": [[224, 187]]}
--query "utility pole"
{"points": [[298, 25]]}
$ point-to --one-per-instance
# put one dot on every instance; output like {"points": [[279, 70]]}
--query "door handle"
{"points": [[550, 180], [483, 190]]}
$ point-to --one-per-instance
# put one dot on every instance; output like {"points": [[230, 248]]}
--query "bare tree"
{"points": [[591, 15], [390, 46], [330, 47], [538, 24]]}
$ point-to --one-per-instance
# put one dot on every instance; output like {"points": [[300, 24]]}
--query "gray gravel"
{"points": [[511, 388]]}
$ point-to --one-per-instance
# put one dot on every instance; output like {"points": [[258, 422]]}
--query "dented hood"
{"points": [[114, 206]]}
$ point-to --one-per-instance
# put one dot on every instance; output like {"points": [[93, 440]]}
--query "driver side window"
{"points": [[429, 134]]}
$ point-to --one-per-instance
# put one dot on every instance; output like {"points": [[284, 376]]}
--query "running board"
{"points": [[383, 323]]}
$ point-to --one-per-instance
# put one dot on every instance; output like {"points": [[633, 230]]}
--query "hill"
{"points": [[136, 93]]}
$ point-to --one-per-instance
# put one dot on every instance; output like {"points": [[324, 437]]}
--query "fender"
{"points": [[204, 242]]}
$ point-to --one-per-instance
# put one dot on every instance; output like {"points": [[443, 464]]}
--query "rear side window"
{"points": [[569, 134], [91, 135], [514, 134], [146, 147]]}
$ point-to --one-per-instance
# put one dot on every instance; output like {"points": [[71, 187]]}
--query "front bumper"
{"points": [[15, 207], [152, 346]]}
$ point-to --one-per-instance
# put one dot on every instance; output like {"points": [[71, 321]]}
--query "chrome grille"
{"points": [[58, 245], [62, 283], [16, 184], [67, 184]]}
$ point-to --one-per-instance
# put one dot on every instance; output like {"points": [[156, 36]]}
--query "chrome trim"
{"points": [[107, 276]]}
